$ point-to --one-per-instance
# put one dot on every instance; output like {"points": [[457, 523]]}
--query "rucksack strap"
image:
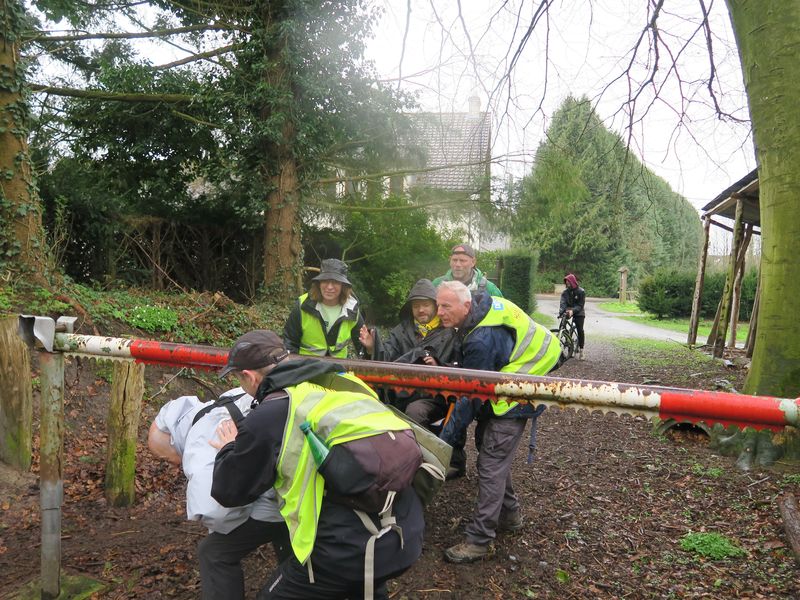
{"points": [[229, 402], [388, 523]]}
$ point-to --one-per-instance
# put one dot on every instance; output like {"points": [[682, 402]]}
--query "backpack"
{"points": [[364, 474]]}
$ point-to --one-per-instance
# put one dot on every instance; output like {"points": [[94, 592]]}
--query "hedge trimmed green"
{"points": [[669, 293]]}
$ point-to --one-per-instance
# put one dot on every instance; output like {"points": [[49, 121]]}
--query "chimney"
{"points": [[474, 105]]}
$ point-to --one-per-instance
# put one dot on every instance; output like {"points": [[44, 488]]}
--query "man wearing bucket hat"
{"points": [[462, 268], [326, 318]]}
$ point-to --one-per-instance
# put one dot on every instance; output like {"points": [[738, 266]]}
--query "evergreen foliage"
{"points": [[518, 279], [589, 206], [669, 293]]}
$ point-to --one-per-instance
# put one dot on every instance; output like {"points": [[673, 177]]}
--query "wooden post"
{"points": [[750, 342], [737, 286], [127, 390], [623, 284], [51, 452], [727, 294], [698, 285], [16, 398]]}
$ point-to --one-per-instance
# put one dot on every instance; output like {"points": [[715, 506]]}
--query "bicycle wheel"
{"points": [[574, 335], [567, 345]]}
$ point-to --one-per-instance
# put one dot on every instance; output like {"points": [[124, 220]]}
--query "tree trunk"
{"points": [[283, 250], [698, 285], [20, 211], [16, 402], [127, 389], [768, 35]]}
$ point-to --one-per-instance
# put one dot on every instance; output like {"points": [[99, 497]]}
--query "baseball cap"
{"points": [[463, 249], [254, 350]]}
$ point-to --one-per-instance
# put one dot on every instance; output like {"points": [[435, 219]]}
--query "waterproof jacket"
{"points": [[479, 283], [305, 332], [252, 463], [573, 299], [406, 345]]}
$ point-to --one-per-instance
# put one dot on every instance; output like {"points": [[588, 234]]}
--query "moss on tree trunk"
{"points": [[768, 36], [127, 389], [16, 403]]}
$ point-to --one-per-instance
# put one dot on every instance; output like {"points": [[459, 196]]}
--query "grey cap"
{"points": [[254, 350], [463, 249], [333, 268]]}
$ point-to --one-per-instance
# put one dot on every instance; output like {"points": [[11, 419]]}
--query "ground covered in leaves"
{"points": [[611, 509]]}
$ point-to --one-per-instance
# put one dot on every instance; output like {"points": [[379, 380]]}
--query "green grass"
{"points": [[545, 320], [621, 307], [682, 325], [662, 353]]}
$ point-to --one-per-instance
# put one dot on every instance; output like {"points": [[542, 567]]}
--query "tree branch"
{"points": [[41, 37], [111, 96], [200, 56]]}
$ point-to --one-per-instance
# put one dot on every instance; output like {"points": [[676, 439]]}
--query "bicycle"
{"points": [[567, 335]]}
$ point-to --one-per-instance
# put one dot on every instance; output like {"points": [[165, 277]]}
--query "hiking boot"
{"points": [[465, 553], [455, 473], [510, 522]]}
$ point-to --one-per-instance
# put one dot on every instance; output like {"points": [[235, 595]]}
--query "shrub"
{"points": [[667, 293], [517, 281]]}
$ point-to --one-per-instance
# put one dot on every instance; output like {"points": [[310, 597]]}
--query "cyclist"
{"points": [[573, 299]]}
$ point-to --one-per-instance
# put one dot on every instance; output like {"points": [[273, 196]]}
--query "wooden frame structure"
{"points": [[739, 202]]}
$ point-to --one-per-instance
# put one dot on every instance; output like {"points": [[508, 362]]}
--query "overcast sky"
{"points": [[581, 48]]}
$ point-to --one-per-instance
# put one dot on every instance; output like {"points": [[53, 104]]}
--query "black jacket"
{"points": [[406, 345], [573, 299], [293, 328], [246, 468]]}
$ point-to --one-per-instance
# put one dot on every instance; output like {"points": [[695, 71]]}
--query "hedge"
{"points": [[669, 293]]}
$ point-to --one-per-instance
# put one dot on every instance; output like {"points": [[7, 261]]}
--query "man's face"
{"points": [[423, 310], [461, 266], [452, 312], [248, 381]]}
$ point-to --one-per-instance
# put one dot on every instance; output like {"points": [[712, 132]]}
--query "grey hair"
{"points": [[459, 289]]}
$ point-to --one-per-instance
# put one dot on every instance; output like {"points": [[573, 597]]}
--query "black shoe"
{"points": [[454, 473]]}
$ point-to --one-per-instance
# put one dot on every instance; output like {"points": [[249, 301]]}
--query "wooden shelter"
{"points": [[739, 202]]}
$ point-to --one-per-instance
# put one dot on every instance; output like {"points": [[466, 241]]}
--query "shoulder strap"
{"points": [[228, 402]]}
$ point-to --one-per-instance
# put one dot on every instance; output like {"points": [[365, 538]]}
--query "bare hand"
{"points": [[367, 339], [430, 361], [226, 433], [569, 313]]}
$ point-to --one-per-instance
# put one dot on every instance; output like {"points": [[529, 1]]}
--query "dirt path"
{"points": [[601, 323], [607, 505]]}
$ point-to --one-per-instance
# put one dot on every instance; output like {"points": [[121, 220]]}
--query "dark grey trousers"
{"points": [[221, 556], [501, 438]]}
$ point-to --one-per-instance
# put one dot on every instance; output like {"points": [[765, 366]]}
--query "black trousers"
{"points": [[290, 582], [221, 555], [579, 326]]}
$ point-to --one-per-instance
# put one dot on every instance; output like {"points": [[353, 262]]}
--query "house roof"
{"points": [[724, 204], [458, 139]]}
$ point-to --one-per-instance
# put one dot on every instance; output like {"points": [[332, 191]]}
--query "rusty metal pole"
{"points": [[50, 470]]}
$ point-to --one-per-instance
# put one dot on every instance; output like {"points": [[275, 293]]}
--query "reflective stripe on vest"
{"points": [[535, 351], [338, 416], [312, 339]]}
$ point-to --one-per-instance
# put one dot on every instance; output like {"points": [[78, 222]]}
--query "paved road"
{"points": [[602, 323]]}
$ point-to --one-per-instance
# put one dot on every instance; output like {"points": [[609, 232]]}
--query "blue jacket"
{"points": [[486, 348]]}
